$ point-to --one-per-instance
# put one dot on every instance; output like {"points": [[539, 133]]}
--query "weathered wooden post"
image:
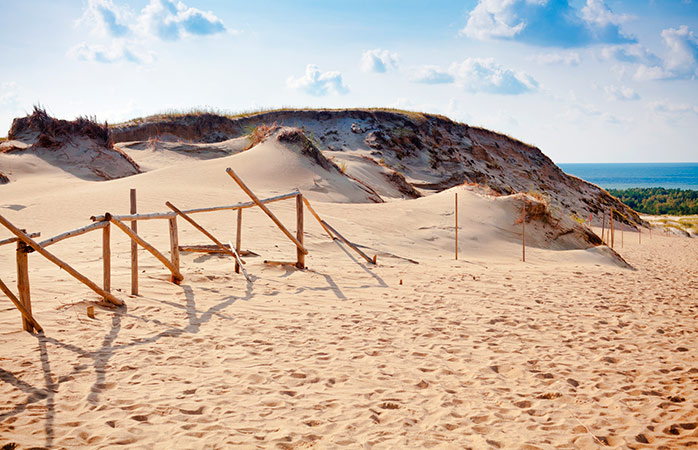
{"points": [[106, 257], [456, 226], [238, 239], [23, 283], [603, 227], [300, 256], [174, 242], [613, 228], [523, 232], [134, 247]]}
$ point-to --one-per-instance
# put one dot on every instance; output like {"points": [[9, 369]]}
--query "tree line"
{"points": [[679, 202]]}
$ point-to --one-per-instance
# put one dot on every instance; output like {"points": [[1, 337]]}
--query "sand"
{"points": [[568, 350]]}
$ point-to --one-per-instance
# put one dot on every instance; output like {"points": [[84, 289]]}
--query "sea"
{"points": [[637, 175]]}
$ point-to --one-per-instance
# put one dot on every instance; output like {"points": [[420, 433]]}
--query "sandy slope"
{"points": [[567, 350]]}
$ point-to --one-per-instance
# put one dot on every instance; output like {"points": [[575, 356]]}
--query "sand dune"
{"points": [[571, 349]]}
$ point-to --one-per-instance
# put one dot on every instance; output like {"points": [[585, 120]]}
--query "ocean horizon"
{"points": [[636, 175]]}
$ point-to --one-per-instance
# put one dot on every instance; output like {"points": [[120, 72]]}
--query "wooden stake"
{"points": [[174, 243], [200, 228], [312, 211], [300, 256], [266, 210], [456, 226], [48, 255], [239, 262], [106, 257], [238, 240], [613, 230], [134, 247], [176, 276], [23, 283], [523, 232], [603, 227], [354, 247], [26, 314]]}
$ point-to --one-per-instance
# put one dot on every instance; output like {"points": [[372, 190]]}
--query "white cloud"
{"points": [[122, 30], [378, 61], [621, 93], [682, 59], [679, 62], [598, 13], [485, 75], [169, 21], [545, 22], [493, 19], [9, 96], [556, 58], [630, 53], [116, 52], [431, 75], [318, 83], [672, 111], [106, 19]]}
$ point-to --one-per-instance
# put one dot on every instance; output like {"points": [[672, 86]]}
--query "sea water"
{"points": [[629, 175]]}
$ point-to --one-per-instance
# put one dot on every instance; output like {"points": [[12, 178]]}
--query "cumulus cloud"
{"points": [[378, 61], [630, 53], [477, 75], [485, 75], [680, 60], [112, 54], [546, 22], [672, 112], [557, 58], [318, 83], [106, 19], [124, 30], [621, 93], [170, 21], [431, 75]]}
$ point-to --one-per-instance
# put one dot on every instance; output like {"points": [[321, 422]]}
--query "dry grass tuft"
{"points": [[260, 133], [52, 132]]}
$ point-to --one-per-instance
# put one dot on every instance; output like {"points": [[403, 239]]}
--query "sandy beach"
{"points": [[567, 350]]}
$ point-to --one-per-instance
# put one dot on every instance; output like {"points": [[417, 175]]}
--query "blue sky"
{"points": [[584, 80]]}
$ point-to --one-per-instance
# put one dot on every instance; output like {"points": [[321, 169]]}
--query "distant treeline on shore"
{"points": [[679, 202]]}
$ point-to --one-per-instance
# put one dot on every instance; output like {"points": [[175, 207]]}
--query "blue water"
{"points": [[627, 175]]}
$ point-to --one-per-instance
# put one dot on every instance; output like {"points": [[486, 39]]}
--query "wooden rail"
{"points": [[266, 210], [57, 261], [73, 233], [169, 215], [193, 223], [12, 240], [176, 275], [27, 315]]}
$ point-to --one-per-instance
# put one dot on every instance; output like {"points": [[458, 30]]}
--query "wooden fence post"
{"points": [[300, 256], [603, 227], [174, 242], [238, 239], [106, 256], [523, 232], [456, 226], [134, 247], [613, 230], [23, 283]]}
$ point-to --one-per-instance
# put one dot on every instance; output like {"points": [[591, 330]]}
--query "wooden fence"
{"points": [[26, 244]]}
